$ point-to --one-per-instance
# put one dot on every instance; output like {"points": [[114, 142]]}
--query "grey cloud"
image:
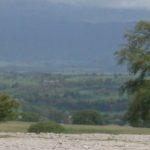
{"points": [[127, 4]]}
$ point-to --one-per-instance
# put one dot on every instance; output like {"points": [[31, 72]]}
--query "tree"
{"points": [[8, 107], [136, 55], [87, 117]]}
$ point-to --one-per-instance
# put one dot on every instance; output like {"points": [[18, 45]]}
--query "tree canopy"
{"points": [[136, 55], [8, 107], [91, 117]]}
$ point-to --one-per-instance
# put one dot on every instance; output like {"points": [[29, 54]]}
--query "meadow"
{"points": [[77, 129]]}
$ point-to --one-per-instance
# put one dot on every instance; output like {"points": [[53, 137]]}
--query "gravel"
{"points": [[49, 141]]}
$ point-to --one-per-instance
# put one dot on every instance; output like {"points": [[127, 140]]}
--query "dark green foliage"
{"points": [[8, 107], [88, 117], [57, 96], [139, 110], [114, 118], [136, 54], [56, 115], [46, 127], [29, 117]]}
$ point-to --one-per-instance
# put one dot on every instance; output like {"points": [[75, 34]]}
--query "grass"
{"points": [[110, 129], [77, 129], [14, 126]]}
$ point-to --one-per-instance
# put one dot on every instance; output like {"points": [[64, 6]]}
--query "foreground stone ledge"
{"points": [[50, 141]]}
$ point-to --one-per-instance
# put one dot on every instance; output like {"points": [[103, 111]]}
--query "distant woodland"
{"points": [[57, 97]]}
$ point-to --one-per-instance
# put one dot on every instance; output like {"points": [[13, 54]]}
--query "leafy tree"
{"points": [[8, 107], [87, 117], [136, 55]]}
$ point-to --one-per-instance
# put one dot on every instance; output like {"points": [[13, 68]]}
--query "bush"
{"points": [[8, 107], [89, 117], [46, 127]]}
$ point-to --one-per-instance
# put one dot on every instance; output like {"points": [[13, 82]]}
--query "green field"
{"points": [[14, 126], [110, 129], [77, 129]]}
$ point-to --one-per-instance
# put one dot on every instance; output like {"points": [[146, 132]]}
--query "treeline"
{"points": [[58, 97]]}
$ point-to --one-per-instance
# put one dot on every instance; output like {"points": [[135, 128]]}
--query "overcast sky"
{"points": [[94, 11], [91, 11], [128, 4]]}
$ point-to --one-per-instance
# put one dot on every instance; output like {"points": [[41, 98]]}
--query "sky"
{"points": [[91, 11], [117, 4], [95, 11]]}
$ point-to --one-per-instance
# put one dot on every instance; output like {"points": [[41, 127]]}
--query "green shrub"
{"points": [[91, 117], [46, 127]]}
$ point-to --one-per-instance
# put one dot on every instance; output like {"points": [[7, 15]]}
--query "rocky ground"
{"points": [[20, 141]]}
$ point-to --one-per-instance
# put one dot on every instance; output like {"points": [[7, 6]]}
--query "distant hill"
{"points": [[34, 39], [76, 46]]}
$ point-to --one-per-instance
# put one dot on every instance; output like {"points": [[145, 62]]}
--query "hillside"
{"points": [[57, 96], [33, 36], [84, 48]]}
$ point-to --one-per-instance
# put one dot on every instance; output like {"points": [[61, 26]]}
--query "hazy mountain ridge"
{"points": [[85, 46], [33, 33]]}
